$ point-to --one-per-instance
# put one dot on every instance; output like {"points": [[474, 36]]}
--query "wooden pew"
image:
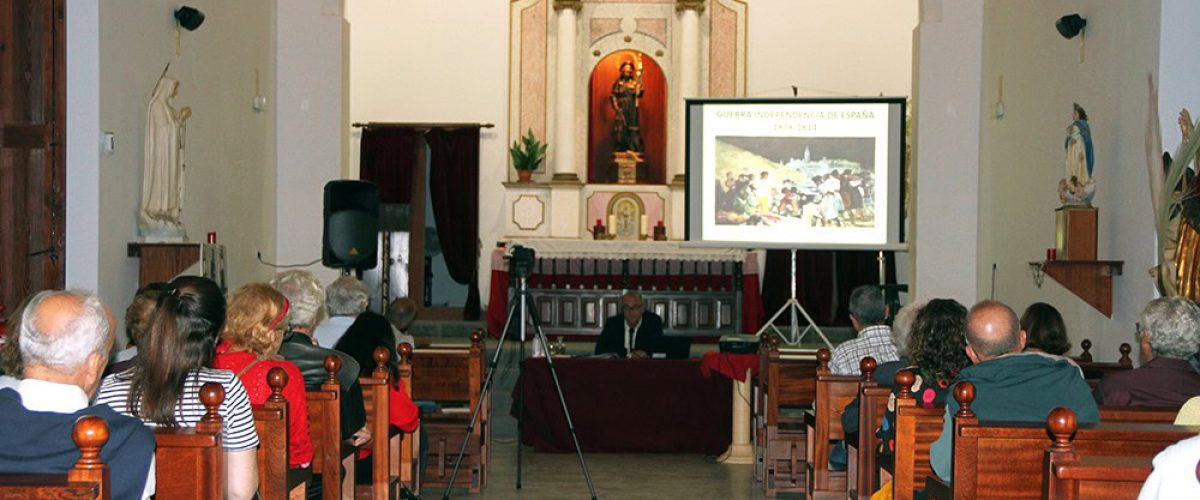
{"points": [[405, 453], [1094, 371], [1137, 414], [862, 471], [330, 454], [916, 430], [275, 478], [1070, 475], [88, 479], [785, 381], [190, 462], [453, 376], [823, 425], [384, 484], [1000, 460]]}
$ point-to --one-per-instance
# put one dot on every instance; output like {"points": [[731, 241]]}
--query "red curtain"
{"points": [[454, 192], [824, 280], [388, 156]]}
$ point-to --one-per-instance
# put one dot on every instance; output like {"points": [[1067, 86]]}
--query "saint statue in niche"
{"points": [[627, 90], [162, 170], [1078, 187]]}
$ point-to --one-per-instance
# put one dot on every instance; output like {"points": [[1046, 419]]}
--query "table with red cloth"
{"points": [[731, 365], [625, 405]]}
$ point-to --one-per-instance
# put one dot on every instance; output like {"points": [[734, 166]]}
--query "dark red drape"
{"points": [[824, 280], [454, 192], [387, 158]]}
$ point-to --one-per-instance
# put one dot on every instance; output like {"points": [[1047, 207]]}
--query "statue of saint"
{"points": [[1078, 187], [626, 92], [162, 168]]}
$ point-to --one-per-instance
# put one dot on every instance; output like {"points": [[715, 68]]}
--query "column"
{"points": [[689, 76], [564, 93]]}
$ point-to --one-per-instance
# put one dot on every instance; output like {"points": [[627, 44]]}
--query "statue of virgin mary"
{"points": [[162, 167]]}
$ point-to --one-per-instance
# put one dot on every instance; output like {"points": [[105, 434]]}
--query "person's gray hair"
{"points": [[866, 304], [66, 347], [346, 296], [902, 324], [304, 294], [1173, 326], [996, 345]]}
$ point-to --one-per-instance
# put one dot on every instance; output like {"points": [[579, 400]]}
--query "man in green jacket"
{"points": [[1011, 385]]}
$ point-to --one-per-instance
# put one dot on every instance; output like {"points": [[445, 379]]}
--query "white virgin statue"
{"points": [[162, 168]]}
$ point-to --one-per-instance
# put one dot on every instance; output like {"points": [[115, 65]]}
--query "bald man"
{"points": [[65, 340], [1011, 385]]}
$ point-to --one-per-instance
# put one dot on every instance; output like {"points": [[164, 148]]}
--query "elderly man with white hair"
{"points": [[65, 339], [1170, 334], [345, 299]]}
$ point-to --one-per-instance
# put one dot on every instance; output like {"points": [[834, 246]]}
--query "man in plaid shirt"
{"points": [[868, 315]]}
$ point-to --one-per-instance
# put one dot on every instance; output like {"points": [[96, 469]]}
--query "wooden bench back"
{"points": [[833, 393], [873, 401], [407, 451], [449, 373], [1001, 460], [1137, 414], [271, 424], [1095, 370], [190, 462], [791, 380], [330, 454], [385, 446], [916, 430], [453, 374], [1070, 475], [88, 479]]}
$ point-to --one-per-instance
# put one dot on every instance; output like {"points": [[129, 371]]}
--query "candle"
{"points": [[643, 226], [612, 224]]}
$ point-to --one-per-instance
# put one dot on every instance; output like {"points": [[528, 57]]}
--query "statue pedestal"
{"points": [[627, 163], [1075, 232]]}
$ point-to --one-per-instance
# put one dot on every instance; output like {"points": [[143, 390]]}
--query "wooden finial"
{"points": [[405, 352], [476, 341], [867, 366], [1062, 424], [905, 379], [90, 434], [380, 356], [277, 378], [333, 364], [964, 393], [211, 396], [773, 342], [1125, 349], [823, 359], [1086, 355]]}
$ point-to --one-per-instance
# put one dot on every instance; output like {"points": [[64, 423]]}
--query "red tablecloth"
{"points": [[626, 405], [730, 365]]}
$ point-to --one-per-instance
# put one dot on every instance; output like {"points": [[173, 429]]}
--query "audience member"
{"points": [[345, 299], [65, 340], [401, 313], [163, 387], [249, 346], [1170, 334], [868, 316], [306, 298], [1174, 473], [1045, 329], [885, 373], [938, 354], [1010, 385], [632, 334], [137, 320]]}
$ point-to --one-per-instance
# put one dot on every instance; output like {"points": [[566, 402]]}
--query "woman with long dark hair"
{"points": [[1045, 329], [163, 387]]}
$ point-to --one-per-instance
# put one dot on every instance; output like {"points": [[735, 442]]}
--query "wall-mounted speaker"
{"points": [[351, 225]]}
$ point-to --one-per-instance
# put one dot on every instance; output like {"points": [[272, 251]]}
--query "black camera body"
{"points": [[521, 261]]}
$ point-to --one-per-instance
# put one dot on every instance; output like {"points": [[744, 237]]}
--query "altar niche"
{"points": [[603, 119]]}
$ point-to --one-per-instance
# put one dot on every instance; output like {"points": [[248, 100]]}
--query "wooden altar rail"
{"points": [[636, 274], [692, 314]]}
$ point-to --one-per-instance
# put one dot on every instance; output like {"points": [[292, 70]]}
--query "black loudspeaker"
{"points": [[351, 225]]}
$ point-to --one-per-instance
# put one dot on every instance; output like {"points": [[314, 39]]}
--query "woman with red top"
{"points": [[249, 344], [369, 331]]}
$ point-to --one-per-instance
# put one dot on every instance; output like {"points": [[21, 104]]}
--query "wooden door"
{"points": [[32, 168]]}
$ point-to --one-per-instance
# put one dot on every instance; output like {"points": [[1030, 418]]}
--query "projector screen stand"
{"points": [[792, 306]]}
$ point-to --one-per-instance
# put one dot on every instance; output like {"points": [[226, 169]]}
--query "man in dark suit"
{"points": [[635, 333]]}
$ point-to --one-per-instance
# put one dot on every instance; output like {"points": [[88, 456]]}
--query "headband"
{"points": [[282, 314]]}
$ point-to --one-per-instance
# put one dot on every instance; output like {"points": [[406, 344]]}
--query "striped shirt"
{"points": [[237, 418]]}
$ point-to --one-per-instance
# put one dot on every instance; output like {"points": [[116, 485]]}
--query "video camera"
{"points": [[521, 261]]}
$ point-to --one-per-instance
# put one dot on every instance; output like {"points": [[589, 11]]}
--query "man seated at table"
{"points": [[635, 333]]}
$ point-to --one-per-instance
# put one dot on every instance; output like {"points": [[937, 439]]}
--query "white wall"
{"points": [[1021, 155], [230, 153]]}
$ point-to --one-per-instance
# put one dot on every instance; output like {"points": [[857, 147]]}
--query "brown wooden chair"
{"points": [[824, 425], [190, 462], [787, 383], [330, 453], [862, 471], [1070, 475], [916, 430], [452, 377], [275, 478], [88, 479]]}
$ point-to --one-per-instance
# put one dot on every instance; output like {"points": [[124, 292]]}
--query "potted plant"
{"points": [[527, 154]]}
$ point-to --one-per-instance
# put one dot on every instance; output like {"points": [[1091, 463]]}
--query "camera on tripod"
{"points": [[521, 261]]}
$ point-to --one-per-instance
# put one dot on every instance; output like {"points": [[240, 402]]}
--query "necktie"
{"points": [[632, 340]]}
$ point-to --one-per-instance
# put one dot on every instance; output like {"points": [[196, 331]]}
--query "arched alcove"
{"points": [[652, 117]]}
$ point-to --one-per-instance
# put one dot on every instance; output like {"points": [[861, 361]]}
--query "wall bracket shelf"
{"points": [[1090, 280]]}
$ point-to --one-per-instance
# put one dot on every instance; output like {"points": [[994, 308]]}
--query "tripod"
{"points": [[793, 306], [522, 306]]}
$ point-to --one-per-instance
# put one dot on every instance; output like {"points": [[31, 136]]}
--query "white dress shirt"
{"points": [[40, 395]]}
